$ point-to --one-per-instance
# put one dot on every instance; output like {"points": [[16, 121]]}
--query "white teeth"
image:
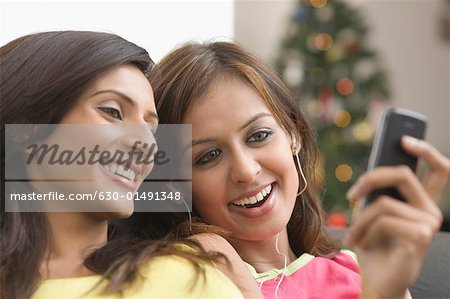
{"points": [[120, 170], [254, 199], [263, 192], [129, 174], [259, 196]]}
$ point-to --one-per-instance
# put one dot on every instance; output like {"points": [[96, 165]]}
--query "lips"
{"points": [[258, 209], [255, 200]]}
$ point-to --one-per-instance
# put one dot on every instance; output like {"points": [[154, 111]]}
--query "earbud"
{"points": [[295, 148]]}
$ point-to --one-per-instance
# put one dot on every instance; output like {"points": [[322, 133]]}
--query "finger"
{"points": [[388, 228], [400, 177], [439, 166], [386, 205], [430, 154], [434, 183]]}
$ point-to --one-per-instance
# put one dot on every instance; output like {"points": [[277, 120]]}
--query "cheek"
{"points": [[81, 113], [282, 163], [207, 193]]}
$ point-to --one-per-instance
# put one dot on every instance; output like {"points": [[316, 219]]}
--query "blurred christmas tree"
{"points": [[338, 81]]}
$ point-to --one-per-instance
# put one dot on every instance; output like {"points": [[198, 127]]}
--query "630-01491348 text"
{"points": [[103, 195]]}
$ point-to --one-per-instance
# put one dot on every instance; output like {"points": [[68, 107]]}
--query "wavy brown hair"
{"points": [[190, 71], [42, 75]]}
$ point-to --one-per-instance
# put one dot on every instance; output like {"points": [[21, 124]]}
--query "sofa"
{"points": [[434, 279]]}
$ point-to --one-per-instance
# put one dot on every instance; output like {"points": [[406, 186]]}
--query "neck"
{"points": [[262, 254], [74, 236]]}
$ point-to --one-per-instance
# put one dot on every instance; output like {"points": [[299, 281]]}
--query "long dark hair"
{"points": [[190, 71], [41, 77]]}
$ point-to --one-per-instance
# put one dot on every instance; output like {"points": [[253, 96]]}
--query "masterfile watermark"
{"points": [[69, 157]]}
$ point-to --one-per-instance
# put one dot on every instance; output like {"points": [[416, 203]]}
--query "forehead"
{"points": [[127, 79], [227, 97], [126, 76], [227, 106]]}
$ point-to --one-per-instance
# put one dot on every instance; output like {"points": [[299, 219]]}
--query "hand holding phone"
{"points": [[386, 149]]}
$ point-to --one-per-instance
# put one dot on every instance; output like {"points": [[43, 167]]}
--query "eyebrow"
{"points": [[201, 141], [127, 99], [248, 123], [253, 119]]}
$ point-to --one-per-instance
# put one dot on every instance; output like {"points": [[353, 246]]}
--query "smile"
{"points": [[256, 200], [118, 169]]}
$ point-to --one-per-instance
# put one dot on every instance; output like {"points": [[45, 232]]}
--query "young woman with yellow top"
{"points": [[88, 78]]}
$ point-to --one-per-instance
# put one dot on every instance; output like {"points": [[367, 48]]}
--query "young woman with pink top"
{"points": [[253, 169]]}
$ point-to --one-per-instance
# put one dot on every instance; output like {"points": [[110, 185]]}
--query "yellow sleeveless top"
{"points": [[162, 277]]}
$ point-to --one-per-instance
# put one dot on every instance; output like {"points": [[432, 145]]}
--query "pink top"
{"points": [[313, 277]]}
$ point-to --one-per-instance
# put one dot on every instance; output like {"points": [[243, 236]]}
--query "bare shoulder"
{"points": [[214, 242], [236, 269]]}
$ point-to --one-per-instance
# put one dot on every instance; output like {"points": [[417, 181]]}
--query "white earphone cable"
{"points": [[172, 188], [297, 159], [284, 269], [190, 215]]}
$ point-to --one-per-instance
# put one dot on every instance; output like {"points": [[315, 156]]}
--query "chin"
{"points": [[121, 214], [259, 235], [119, 210]]}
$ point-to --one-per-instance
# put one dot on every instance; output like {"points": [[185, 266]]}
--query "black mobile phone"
{"points": [[386, 149]]}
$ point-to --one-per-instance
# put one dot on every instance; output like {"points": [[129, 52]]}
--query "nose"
{"points": [[140, 138], [244, 166]]}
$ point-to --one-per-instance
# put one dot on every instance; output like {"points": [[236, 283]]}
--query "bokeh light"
{"points": [[345, 86], [336, 53], [323, 41], [318, 3], [343, 173], [337, 219], [342, 118], [363, 132]]}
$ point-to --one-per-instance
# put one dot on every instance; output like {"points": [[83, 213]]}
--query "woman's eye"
{"points": [[113, 112], [259, 136], [208, 157]]}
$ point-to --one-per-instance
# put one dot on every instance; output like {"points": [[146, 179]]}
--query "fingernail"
{"points": [[352, 203], [410, 140]]}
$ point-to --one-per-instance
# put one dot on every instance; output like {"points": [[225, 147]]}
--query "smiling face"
{"points": [[123, 96], [244, 177]]}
